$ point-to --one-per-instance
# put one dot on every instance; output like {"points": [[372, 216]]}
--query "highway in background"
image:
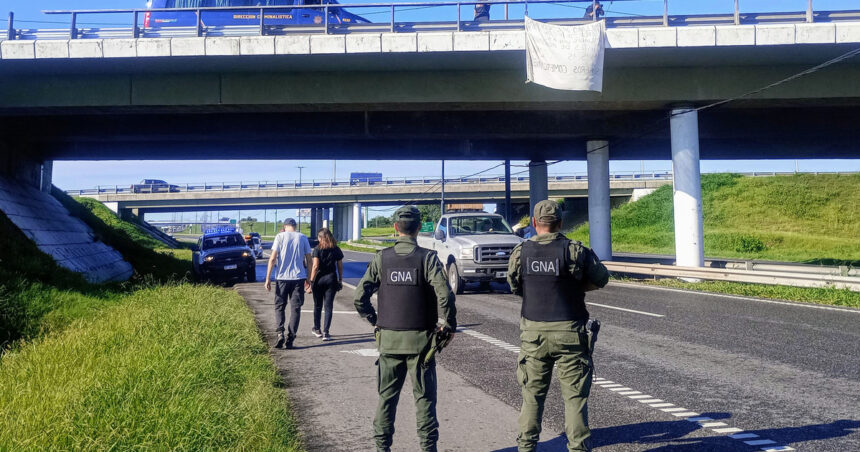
{"points": [[770, 373]]}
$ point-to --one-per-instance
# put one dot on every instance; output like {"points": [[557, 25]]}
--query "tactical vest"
{"points": [[550, 291], [406, 301]]}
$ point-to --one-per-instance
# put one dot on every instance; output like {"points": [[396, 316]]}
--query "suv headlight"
{"points": [[246, 254], [467, 253], [209, 258]]}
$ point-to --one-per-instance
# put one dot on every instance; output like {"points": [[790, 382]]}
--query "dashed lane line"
{"points": [[737, 297], [721, 428]]}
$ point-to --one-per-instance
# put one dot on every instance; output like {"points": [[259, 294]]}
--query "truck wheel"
{"points": [[455, 280], [252, 274]]}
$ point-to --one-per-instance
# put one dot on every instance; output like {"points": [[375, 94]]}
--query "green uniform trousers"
{"points": [[540, 351], [391, 374]]}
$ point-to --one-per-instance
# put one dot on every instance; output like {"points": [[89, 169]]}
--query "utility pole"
{"points": [[508, 206], [333, 171], [442, 205], [300, 175]]}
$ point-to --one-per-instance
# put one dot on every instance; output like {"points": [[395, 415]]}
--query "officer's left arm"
{"points": [[366, 287], [444, 296], [595, 275]]}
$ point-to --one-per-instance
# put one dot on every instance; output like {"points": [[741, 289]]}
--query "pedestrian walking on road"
{"points": [[326, 280], [552, 274], [413, 291], [291, 252]]}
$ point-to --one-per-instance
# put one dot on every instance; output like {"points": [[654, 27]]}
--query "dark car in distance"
{"points": [[222, 255], [154, 186]]}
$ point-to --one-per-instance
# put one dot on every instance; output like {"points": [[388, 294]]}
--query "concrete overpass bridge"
{"points": [[347, 198], [452, 91]]}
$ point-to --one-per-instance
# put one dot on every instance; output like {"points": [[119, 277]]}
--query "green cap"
{"points": [[407, 214], [547, 211]]}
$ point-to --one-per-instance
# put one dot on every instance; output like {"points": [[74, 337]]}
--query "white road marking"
{"points": [[619, 389], [671, 410], [728, 430], [776, 448], [650, 401], [700, 419], [613, 385], [642, 396], [714, 424], [760, 442], [685, 414], [743, 436], [660, 405], [737, 297], [629, 392], [625, 309]]}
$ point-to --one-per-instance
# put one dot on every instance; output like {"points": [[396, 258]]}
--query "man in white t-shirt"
{"points": [[290, 252]]}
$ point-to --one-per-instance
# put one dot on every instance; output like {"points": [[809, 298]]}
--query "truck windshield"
{"points": [[222, 241], [478, 225]]}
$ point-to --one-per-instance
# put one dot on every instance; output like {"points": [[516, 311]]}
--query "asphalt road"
{"points": [[777, 375]]}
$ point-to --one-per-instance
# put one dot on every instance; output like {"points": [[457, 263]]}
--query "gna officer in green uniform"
{"points": [[552, 274], [413, 291]]}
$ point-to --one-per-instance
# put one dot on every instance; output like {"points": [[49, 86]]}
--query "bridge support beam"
{"points": [[356, 221], [599, 226], [316, 220], [689, 237], [538, 187]]}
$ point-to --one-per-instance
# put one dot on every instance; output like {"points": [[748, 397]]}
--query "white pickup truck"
{"points": [[474, 246]]}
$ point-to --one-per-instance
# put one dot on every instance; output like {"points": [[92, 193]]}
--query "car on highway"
{"points": [[222, 255], [154, 186], [473, 247], [255, 243]]}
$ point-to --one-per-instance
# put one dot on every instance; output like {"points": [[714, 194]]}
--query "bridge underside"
{"points": [[787, 132]]}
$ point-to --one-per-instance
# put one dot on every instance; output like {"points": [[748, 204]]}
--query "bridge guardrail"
{"points": [[198, 187], [327, 183], [135, 30], [796, 278]]}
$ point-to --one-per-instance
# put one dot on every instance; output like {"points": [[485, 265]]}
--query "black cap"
{"points": [[290, 222], [407, 214]]}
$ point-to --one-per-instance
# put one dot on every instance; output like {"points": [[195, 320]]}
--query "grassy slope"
{"points": [[131, 365], [167, 368], [802, 218]]}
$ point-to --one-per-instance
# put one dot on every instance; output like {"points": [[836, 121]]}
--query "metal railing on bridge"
{"points": [[512, 20], [346, 183], [199, 187]]}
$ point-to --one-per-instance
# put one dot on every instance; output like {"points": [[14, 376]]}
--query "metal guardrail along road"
{"points": [[782, 278], [136, 29]]}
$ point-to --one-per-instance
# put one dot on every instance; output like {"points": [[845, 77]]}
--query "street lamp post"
{"points": [[300, 175]]}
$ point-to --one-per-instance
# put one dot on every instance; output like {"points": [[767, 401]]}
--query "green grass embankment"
{"points": [[800, 218], [154, 363], [164, 368]]}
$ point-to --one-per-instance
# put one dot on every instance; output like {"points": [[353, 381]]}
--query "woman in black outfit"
{"points": [[326, 279]]}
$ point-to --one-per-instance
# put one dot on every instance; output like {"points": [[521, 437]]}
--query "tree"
{"points": [[430, 212], [380, 222]]}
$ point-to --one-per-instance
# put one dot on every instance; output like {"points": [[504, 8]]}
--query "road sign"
{"points": [[304, 212], [427, 226], [233, 221]]}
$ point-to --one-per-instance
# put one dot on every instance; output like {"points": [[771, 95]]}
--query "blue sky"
{"points": [[71, 175]]}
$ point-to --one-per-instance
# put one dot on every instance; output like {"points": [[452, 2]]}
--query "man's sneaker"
{"points": [[326, 337], [280, 342], [316, 332], [289, 344]]}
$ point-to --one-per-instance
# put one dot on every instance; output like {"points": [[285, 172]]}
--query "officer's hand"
{"points": [[268, 285]]}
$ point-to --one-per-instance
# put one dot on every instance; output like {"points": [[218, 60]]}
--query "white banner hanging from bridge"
{"points": [[565, 57]]}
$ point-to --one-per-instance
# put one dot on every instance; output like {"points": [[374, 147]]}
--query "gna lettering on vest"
{"points": [[403, 276], [543, 267]]}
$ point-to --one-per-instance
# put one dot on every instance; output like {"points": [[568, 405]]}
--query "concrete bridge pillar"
{"points": [[342, 224], [689, 237], [356, 221], [538, 188], [316, 220], [599, 226]]}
